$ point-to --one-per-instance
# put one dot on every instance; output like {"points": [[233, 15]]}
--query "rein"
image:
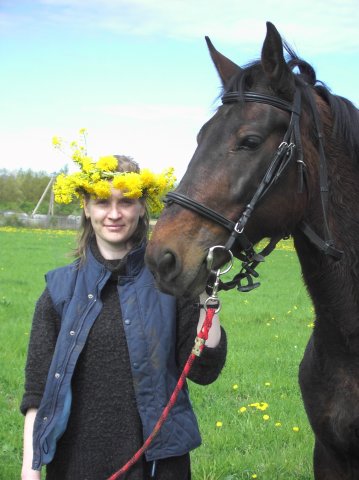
{"points": [[280, 160]]}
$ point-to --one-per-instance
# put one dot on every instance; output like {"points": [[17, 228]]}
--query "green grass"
{"points": [[267, 332]]}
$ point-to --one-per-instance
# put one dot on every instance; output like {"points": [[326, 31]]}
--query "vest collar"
{"points": [[133, 261]]}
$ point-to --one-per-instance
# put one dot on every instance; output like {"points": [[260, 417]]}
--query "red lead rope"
{"points": [[196, 352]]}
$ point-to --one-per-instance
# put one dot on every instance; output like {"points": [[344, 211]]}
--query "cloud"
{"points": [[157, 136], [153, 112], [315, 26]]}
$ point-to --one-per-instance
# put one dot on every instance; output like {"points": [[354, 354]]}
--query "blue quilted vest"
{"points": [[149, 319]]}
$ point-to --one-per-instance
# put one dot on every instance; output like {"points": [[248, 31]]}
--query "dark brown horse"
{"points": [[281, 157]]}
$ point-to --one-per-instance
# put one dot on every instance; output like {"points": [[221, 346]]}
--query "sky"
{"points": [[137, 74]]}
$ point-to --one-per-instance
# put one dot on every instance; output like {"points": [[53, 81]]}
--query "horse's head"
{"points": [[235, 149]]}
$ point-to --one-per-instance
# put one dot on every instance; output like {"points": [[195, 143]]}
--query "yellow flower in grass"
{"points": [[277, 424], [219, 424], [242, 409], [259, 405], [265, 417], [235, 387], [295, 429]]}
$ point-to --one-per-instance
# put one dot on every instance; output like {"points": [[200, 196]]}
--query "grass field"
{"points": [[252, 419]]}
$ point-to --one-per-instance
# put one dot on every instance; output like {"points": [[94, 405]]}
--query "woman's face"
{"points": [[114, 221]]}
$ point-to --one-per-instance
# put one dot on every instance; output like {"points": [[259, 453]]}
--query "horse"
{"points": [[279, 158]]}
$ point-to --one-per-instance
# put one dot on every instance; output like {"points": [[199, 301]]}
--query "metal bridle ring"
{"points": [[210, 259]]}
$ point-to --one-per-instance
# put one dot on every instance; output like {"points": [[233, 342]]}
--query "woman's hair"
{"points": [[125, 164]]}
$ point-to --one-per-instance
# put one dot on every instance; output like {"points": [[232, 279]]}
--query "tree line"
{"points": [[21, 190]]}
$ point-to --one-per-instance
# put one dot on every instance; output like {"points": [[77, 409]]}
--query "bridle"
{"points": [[283, 156]]}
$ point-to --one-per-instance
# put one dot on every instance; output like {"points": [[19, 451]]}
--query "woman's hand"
{"points": [[30, 475], [27, 473]]}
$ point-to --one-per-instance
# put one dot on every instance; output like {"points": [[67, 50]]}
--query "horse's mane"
{"points": [[345, 114]]}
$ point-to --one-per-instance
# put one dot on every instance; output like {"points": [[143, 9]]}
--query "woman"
{"points": [[106, 347]]}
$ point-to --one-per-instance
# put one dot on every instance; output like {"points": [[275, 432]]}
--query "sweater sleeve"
{"points": [[208, 366], [44, 332]]}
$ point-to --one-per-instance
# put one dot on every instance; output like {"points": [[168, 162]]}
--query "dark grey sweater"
{"points": [[104, 428]]}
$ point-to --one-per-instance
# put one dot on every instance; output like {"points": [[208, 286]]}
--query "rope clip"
{"points": [[213, 300]]}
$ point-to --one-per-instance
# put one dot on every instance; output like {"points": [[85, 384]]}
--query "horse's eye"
{"points": [[249, 143]]}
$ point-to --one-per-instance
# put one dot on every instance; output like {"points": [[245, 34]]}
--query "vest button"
{"points": [[127, 321], [90, 296], [135, 365], [57, 375], [72, 332]]}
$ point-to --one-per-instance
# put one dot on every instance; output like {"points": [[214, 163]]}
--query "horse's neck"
{"points": [[333, 285]]}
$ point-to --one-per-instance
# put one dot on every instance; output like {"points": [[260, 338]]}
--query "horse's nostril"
{"points": [[168, 266]]}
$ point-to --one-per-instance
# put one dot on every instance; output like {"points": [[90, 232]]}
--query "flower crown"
{"points": [[96, 178]]}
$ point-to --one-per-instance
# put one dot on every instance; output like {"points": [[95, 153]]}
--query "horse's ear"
{"points": [[274, 64], [225, 67]]}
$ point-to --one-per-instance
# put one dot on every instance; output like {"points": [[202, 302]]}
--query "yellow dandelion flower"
{"points": [[254, 475], [108, 163], [259, 405], [265, 417], [295, 429], [132, 185], [242, 409], [119, 182], [235, 387], [102, 189], [148, 179], [277, 424], [267, 384], [219, 424]]}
